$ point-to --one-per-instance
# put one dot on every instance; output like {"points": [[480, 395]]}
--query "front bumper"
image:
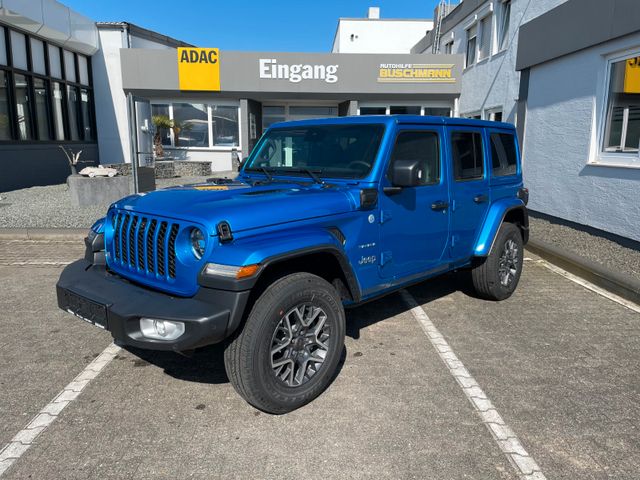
{"points": [[112, 302]]}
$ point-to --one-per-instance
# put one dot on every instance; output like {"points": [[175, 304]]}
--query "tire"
{"points": [[497, 276], [265, 359]]}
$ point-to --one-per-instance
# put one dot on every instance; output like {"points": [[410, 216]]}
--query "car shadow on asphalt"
{"points": [[206, 365]]}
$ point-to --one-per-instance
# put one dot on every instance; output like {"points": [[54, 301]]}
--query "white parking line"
{"points": [[507, 441], [586, 284], [21, 442]]}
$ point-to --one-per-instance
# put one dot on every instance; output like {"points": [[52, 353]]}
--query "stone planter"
{"points": [[86, 191]]}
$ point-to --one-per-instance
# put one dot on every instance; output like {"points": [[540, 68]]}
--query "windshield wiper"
{"points": [[266, 173], [308, 171]]}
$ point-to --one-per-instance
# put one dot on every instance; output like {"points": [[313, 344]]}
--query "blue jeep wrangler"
{"points": [[324, 214]]}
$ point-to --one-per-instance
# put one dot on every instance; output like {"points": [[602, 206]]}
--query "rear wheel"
{"points": [[497, 276], [289, 349]]}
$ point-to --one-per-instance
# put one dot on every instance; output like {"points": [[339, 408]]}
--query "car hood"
{"points": [[242, 205]]}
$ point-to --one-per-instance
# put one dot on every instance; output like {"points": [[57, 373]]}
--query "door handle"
{"points": [[439, 205], [481, 198]]}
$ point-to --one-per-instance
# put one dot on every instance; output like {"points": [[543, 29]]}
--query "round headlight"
{"points": [[198, 242]]}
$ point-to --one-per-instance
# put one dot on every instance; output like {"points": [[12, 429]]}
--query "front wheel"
{"points": [[497, 276], [289, 348]]}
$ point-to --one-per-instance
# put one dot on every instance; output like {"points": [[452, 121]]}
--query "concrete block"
{"points": [[98, 190]]}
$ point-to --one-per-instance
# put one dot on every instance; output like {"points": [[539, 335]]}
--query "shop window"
{"points": [[19, 50], [224, 121], [37, 56], [55, 63], [87, 114], [312, 111], [23, 107], [468, 159], [3, 47], [622, 130], [422, 147], [437, 111], [400, 110], [58, 112], [373, 110], [72, 109], [69, 66], [505, 18], [504, 158], [485, 38], [41, 91], [5, 124], [190, 125], [471, 45]]}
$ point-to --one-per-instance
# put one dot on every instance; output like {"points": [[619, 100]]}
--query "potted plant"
{"points": [[73, 158], [161, 124]]}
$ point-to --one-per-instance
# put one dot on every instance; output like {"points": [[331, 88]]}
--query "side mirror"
{"points": [[407, 173]]}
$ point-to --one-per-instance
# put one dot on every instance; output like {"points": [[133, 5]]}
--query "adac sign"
{"points": [[199, 69]]}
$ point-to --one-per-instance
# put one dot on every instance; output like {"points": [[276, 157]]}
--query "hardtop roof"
{"points": [[395, 119]]}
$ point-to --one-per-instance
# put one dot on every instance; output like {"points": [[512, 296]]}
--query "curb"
{"points": [[59, 234], [621, 284]]}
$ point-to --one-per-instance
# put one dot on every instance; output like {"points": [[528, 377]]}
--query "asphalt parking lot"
{"points": [[558, 362]]}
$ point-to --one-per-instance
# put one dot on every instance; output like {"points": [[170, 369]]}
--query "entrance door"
{"points": [[415, 220], [469, 188]]}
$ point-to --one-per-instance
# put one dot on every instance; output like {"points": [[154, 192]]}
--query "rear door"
{"points": [[470, 193], [415, 220]]}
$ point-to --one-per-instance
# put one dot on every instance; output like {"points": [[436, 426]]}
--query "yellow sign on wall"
{"points": [[632, 75], [199, 69], [415, 73]]}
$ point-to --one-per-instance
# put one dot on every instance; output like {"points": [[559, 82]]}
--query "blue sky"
{"points": [[276, 25]]}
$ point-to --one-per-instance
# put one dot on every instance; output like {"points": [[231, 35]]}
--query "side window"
{"points": [[503, 154], [467, 156], [423, 147]]}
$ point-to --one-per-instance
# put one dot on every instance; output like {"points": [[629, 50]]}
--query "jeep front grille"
{"points": [[145, 245]]}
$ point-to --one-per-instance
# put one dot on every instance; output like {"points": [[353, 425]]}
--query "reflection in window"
{"points": [[83, 69], [224, 120], [5, 125], [622, 133], [422, 147], [410, 110], [55, 66], [22, 107], [85, 110], [471, 45], [69, 66], [503, 154], [72, 107], [3, 48], [467, 155], [437, 111], [41, 91], [190, 125], [505, 18], [272, 114], [58, 116], [161, 113], [19, 50]]}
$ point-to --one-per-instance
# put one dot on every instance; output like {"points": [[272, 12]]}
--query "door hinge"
{"points": [[385, 257]]}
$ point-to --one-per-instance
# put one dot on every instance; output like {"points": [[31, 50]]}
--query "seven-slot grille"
{"points": [[145, 244]]}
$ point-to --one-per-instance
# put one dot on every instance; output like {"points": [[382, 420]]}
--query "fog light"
{"points": [[161, 329]]}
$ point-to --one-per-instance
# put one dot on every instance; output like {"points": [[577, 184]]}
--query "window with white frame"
{"points": [[622, 120], [196, 125], [381, 109], [493, 114], [484, 49], [472, 34], [448, 48], [503, 30]]}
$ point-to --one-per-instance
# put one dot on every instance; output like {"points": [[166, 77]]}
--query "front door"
{"points": [[415, 220], [470, 194]]}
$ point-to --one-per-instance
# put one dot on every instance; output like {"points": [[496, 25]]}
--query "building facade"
{"points": [[559, 70], [46, 91]]}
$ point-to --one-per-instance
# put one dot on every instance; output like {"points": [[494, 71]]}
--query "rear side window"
{"points": [[504, 160], [467, 156], [423, 147]]}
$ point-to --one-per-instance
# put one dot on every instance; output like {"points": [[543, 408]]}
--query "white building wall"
{"points": [[565, 114], [494, 82], [379, 36]]}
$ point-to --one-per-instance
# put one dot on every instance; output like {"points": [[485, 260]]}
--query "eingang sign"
{"points": [[270, 68]]}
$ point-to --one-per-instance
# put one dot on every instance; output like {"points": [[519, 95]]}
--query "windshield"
{"points": [[339, 151]]}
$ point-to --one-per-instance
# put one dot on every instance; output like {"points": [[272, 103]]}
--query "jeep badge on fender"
{"points": [[325, 214]]}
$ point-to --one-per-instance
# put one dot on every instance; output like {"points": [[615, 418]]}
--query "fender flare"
{"points": [[493, 220]]}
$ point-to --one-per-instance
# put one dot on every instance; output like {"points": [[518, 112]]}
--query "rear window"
{"points": [[504, 159]]}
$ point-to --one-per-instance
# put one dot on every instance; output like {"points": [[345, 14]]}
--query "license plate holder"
{"points": [[92, 312]]}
